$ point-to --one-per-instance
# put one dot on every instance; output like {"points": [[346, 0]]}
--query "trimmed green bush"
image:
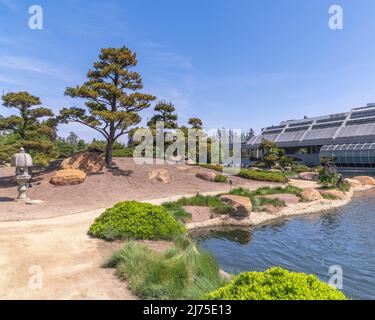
{"points": [[182, 272], [263, 175], [135, 220], [276, 284], [220, 178], [123, 153]]}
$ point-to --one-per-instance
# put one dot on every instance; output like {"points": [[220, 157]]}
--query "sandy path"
{"points": [[69, 260]]}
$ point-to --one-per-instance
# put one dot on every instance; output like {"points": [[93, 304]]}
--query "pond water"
{"points": [[312, 244]]}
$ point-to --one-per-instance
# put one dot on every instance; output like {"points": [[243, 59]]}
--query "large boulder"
{"points": [[311, 194], [208, 176], [310, 176], [89, 162], [68, 177], [354, 183], [241, 205], [160, 175], [365, 180], [336, 194]]}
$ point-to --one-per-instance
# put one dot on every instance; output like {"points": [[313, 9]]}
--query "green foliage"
{"points": [[298, 168], [328, 177], [164, 113], [199, 200], [195, 123], [113, 100], [262, 175], [28, 123], [220, 178], [123, 153], [345, 186], [276, 284], [289, 189], [329, 196], [135, 220], [257, 201], [182, 272], [271, 153], [216, 167], [177, 211], [33, 128]]}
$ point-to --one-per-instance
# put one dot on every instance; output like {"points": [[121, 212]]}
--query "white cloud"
{"points": [[32, 65], [10, 4], [161, 53]]}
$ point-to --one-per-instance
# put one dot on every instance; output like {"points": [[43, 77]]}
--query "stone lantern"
{"points": [[22, 161]]}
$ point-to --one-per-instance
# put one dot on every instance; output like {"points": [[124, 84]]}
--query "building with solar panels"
{"points": [[347, 138]]}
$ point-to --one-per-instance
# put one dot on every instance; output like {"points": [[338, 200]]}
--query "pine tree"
{"points": [[113, 100]]}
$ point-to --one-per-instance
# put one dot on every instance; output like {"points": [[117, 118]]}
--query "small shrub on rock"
{"points": [[135, 220], [276, 284], [220, 178]]}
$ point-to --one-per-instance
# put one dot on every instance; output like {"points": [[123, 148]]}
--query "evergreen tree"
{"points": [[165, 113], [113, 100]]}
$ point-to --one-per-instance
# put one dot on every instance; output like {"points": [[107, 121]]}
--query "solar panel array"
{"points": [[357, 126]]}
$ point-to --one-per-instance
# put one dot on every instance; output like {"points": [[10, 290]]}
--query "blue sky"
{"points": [[234, 63]]}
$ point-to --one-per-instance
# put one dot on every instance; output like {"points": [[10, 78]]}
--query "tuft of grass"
{"points": [[199, 200], [328, 196], [259, 202], [182, 272], [177, 211]]}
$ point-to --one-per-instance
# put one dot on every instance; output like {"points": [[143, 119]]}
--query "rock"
{"points": [[365, 180], [241, 205], [311, 194], [31, 202], [310, 176], [339, 195], [354, 183], [89, 162], [270, 208], [208, 176], [68, 177], [160, 175]]}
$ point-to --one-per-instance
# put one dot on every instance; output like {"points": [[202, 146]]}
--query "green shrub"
{"points": [[329, 196], [135, 220], [123, 153], [298, 168], [262, 175], [345, 186], [182, 272], [220, 178], [276, 284]]}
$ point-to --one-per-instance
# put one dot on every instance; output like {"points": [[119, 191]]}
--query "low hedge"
{"points": [[263, 175], [123, 153], [276, 284], [220, 178], [135, 220]]}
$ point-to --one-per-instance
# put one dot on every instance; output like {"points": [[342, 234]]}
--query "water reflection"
{"points": [[310, 244]]}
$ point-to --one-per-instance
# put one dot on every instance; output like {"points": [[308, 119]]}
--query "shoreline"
{"points": [[259, 218]]}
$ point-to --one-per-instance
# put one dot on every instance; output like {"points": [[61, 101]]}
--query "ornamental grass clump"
{"points": [[135, 220], [182, 272], [276, 284]]}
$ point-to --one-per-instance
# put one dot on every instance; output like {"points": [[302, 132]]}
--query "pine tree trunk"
{"points": [[108, 154]]}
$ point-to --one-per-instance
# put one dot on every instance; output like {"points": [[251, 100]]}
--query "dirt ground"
{"points": [[127, 182], [50, 247]]}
